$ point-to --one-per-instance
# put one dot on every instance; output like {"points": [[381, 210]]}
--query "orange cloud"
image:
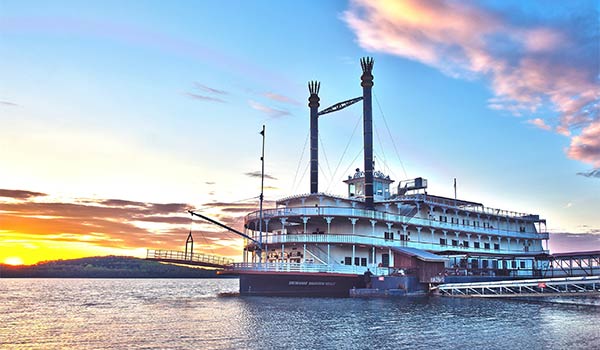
{"points": [[35, 228], [529, 63]]}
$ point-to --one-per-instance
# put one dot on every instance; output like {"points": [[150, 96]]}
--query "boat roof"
{"points": [[420, 254]]}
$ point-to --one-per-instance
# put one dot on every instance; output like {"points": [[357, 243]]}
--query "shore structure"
{"points": [[320, 244]]}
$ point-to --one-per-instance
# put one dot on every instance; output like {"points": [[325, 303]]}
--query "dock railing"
{"points": [[188, 258], [568, 286]]}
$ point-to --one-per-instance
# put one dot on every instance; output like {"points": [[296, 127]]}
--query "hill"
{"points": [[104, 267]]}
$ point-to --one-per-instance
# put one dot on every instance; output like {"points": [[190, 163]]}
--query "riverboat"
{"points": [[380, 235]]}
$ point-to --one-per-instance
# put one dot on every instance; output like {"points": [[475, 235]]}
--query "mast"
{"points": [[262, 186], [366, 64]]}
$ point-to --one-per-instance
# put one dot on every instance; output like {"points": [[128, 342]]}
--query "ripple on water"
{"points": [[191, 314]]}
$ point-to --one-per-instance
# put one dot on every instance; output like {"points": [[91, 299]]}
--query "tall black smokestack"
{"points": [[313, 103], [367, 83]]}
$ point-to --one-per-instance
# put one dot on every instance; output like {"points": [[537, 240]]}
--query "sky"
{"points": [[116, 117]]}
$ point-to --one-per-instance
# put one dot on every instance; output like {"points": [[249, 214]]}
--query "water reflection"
{"points": [[189, 314]]}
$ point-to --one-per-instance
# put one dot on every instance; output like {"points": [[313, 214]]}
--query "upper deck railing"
{"points": [[390, 217], [382, 242], [428, 199]]}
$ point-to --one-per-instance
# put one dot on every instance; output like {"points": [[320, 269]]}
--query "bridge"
{"points": [[545, 287], [188, 258]]}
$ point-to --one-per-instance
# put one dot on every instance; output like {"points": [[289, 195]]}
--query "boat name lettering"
{"points": [[306, 283]]}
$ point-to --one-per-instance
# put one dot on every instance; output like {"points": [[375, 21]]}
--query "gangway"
{"points": [[571, 264], [567, 286], [188, 258]]}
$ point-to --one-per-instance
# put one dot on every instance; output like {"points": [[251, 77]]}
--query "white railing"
{"points": [[476, 208], [380, 242], [308, 268], [389, 217]]}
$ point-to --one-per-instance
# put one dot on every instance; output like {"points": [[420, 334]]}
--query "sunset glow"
{"points": [[13, 260]]}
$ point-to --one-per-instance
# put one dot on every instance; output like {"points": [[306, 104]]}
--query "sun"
{"points": [[13, 260]]}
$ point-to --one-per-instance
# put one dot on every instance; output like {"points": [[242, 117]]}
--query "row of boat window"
{"points": [[465, 244], [474, 223], [358, 261]]}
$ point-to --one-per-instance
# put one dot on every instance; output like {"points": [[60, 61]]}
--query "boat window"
{"points": [[385, 260]]}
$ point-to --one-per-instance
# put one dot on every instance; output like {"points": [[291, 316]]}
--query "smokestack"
{"points": [[313, 103], [366, 64]]}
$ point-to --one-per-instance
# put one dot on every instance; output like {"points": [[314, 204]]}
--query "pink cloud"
{"points": [[271, 112], [574, 242], [539, 123], [281, 98], [586, 146], [529, 64]]}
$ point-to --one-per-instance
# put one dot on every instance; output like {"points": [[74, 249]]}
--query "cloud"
{"points": [[586, 146], [530, 62], [271, 112], [281, 98], [258, 174], [592, 173], [7, 103], [209, 89], [112, 223], [203, 97], [539, 123], [574, 242], [20, 194]]}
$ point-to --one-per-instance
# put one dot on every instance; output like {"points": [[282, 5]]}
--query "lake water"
{"points": [[190, 314]]}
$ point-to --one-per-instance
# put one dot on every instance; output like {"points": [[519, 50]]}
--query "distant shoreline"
{"points": [[109, 267]]}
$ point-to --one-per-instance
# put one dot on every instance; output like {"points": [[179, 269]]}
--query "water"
{"points": [[189, 314]]}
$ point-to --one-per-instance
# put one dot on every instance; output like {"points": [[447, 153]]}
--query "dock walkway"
{"points": [[566, 286], [186, 258]]}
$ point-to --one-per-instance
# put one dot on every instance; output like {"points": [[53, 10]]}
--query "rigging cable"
{"points": [[301, 178], [202, 238], [345, 150], [299, 162], [390, 133], [354, 160], [326, 160], [380, 145], [237, 220]]}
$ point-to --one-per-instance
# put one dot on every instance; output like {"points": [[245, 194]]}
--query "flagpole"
{"points": [[262, 185]]}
